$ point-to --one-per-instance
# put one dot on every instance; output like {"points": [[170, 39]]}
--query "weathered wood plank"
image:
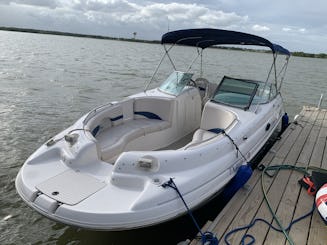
{"points": [[318, 151], [303, 144], [324, 158], [318, 231], [293, 146], [250, 206], [236, 207], [244, 192], [203, 229], [299, 231], [280, 185], [288, 202], [239, 197], [274, 196], [306, 153], [285, 209], [283, 151]]}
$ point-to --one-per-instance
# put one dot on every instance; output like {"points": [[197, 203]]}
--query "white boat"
{"points": [[106, 171]]}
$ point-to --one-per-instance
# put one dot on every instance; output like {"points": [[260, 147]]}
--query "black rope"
{"points": [[206, 237], [246, 227], [233, 142]]}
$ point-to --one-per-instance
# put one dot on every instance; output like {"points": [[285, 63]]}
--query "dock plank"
{"points": [[278, 189], [289, 200], [300, 231], [238, 199], [324, 158], [203, 229], [238, 209], [318, 151], [318, 231], [306, 153], [303, 144], [255, 200]]}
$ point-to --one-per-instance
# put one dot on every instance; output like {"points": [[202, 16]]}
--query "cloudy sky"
{"points": [[298, 25]]}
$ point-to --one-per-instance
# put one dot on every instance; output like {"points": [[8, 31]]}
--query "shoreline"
{"points": [[59, 33]]}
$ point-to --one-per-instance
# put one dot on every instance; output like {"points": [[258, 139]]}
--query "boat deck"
{"points": [[303, 144]]}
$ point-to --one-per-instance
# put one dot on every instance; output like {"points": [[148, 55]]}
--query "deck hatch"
{"points": [[70, 187]]}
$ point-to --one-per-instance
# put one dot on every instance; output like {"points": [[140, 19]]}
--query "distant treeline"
{"points": [[300, 54], [75, 34]]}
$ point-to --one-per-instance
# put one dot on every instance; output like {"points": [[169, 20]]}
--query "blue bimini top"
{"points": [[207, 37]]}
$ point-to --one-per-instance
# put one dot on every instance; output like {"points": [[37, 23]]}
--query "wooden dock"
{"points": [[301, 145]]}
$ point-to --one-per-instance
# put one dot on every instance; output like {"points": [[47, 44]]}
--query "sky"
{"points": [[297, 25]]}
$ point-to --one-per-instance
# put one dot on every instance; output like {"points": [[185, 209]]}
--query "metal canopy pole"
{"points": [[201, 67], [273, 65], [156, 70], [283, 70], [193, 61]]}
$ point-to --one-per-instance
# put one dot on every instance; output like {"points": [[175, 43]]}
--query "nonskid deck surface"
{"points": [[70, 187]]}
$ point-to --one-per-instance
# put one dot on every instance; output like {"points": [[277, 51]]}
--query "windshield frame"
{"points": [[245, 106]]}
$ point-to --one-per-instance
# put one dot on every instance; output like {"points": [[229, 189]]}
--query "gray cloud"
{"points": [[52, 4], [295, 25]]}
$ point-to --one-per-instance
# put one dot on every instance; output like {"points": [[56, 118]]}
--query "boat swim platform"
{"points": [[301, 144]]}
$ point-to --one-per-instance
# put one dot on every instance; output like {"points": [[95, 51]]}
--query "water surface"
{"points": [[47, 82]]}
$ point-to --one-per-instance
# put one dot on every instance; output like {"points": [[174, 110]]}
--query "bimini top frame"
{"points": [[206, 37]]}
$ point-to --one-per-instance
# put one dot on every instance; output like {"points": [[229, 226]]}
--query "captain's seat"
{"points": [[215, 119]]}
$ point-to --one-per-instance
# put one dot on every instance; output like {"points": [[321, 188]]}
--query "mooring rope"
{"points": [[207, 237], [280, 228]]}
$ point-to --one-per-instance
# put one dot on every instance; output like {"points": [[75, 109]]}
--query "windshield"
{"points": [[265, 93], [176, 82], [235, 92]]}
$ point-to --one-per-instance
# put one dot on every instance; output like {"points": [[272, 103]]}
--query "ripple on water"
{"points": [[58, 79]]}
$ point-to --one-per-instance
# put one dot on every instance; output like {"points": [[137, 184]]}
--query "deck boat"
{"points": [[106, 171]]}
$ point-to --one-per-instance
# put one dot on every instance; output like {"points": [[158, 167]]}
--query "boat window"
{"points": [[176, 82], [235, 92], [265, 93]]}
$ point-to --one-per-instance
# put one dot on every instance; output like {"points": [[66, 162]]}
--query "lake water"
{"points": [[47, 82]]}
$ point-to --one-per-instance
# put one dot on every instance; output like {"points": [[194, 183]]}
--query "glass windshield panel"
{"points": [[176, 82], [235, 92], [273, 91], [265, 93]]}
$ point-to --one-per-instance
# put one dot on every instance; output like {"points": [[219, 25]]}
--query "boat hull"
{"points": [[128, 195]]}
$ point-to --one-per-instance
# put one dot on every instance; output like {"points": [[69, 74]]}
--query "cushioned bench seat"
{"points": [[116, 125], [114, 140]]}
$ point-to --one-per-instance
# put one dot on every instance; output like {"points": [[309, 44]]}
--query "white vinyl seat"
{"points": [[214, 120], [149, 115], [215, 116], [114, 141]]}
